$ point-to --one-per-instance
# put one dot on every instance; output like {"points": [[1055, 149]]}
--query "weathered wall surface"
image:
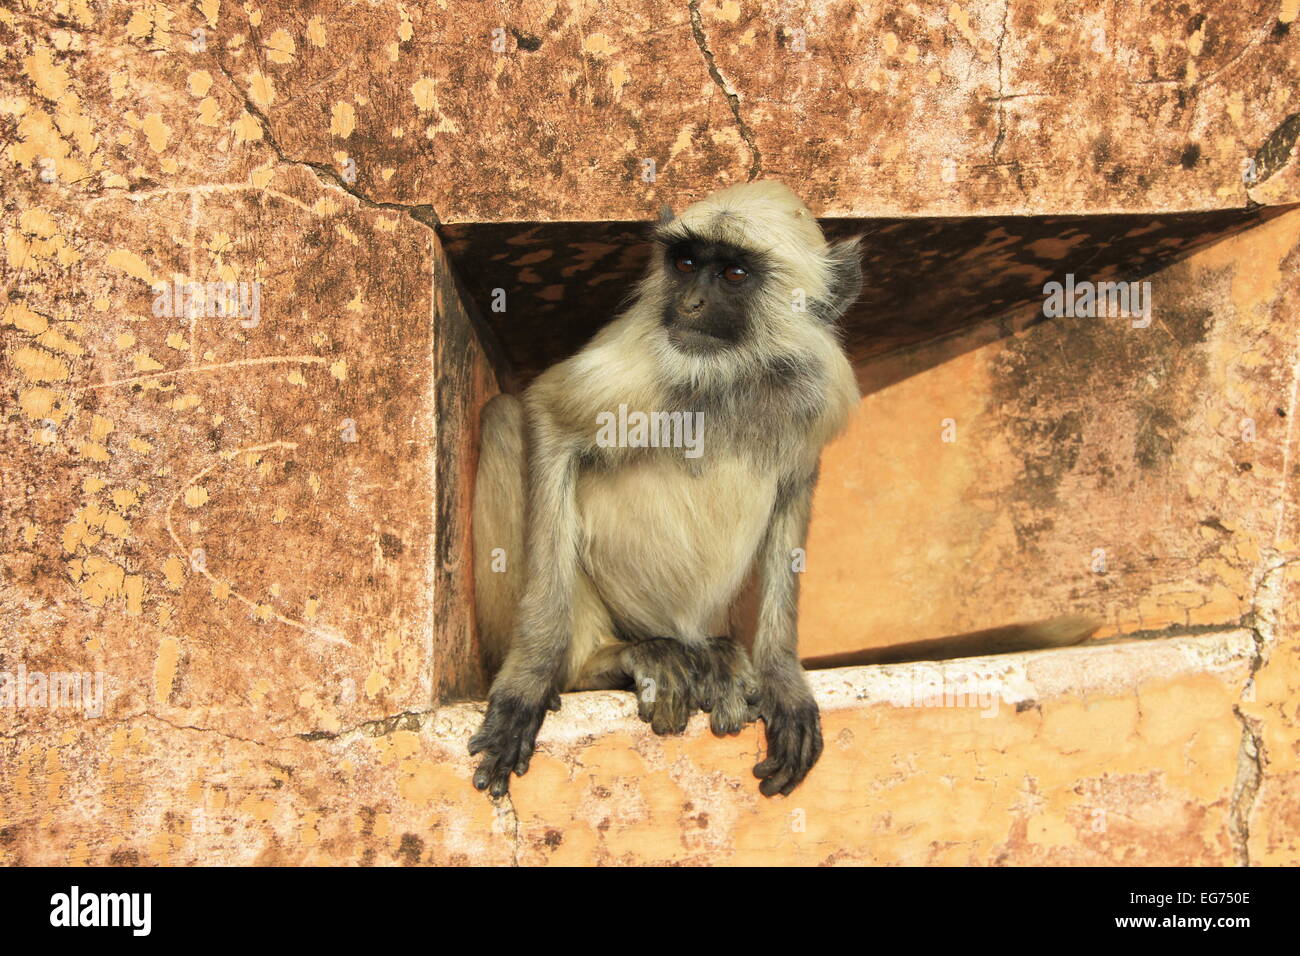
{"points": [[274, 606], [1142, 475], [1102, 755], [547, 110], [231, 517]]}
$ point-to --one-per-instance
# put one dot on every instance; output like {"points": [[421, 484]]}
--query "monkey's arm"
{"points": [[786, 704], [526, 686]]}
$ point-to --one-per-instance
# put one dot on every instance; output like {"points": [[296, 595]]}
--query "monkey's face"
{"points": [[711, 289]]}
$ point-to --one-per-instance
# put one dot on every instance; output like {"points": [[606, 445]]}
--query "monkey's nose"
{"points": [[690, 308]]}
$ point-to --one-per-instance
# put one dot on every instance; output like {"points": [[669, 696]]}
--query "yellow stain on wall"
{"points": [[100, 580], [280, 47], [156, 131], [164, 669], [39, 403], [598, 43], [144, 362], [37, 222], [173, 573], [50, 79], [261, 176], [316, 32], [246, 129], [130, 263], [53, 339], [261, 90], [125, 499], [39, 366], [424, 91], [200, 81], [134, 588], [24, 319], [208, 112], [343, 119]]}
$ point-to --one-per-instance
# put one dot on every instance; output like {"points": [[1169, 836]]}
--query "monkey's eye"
{"points": [[684, 264], [734, 274]]}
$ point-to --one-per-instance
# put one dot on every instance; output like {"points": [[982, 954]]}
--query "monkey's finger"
{"points": [[489, 774], [777, 775], [500, 785], [775, 728], [481, 740], [809, 751], [524, 759], [553, 705]]}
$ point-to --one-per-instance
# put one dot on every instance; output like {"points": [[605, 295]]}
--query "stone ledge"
{"points": [[1017, 680]]}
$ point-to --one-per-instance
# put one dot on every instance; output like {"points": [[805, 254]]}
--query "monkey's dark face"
{"points": [[711, 291]]}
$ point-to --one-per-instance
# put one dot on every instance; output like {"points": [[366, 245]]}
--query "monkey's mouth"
{"points": [[697, 339]]}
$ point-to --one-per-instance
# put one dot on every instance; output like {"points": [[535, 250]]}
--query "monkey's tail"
{"points": [[1034, 636]]}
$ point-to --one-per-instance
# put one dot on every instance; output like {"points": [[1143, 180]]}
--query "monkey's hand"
{"points": [[794, 735], [507, 739], [725, 686]]}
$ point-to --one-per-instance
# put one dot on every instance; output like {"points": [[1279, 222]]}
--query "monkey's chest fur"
{"points": [[668, 547]]}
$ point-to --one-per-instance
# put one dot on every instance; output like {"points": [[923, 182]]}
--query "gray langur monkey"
{"points": [[634, 554]]}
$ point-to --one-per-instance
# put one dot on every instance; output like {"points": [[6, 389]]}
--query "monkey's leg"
{"points": [[498, 529], [540, 635]]}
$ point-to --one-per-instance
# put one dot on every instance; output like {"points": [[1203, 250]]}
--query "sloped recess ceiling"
{"points": [[924, 278]]}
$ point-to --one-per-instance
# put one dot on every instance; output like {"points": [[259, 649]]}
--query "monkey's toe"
{"points": [[662, 676], [726, 687], [730, 717]]}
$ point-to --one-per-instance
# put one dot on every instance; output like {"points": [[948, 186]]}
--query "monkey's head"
{"points": [[748, 270]]}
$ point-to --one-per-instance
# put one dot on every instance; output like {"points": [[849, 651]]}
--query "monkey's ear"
{"points": [[666, 215], [844, 282]]}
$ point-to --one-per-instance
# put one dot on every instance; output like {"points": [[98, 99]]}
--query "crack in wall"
{"points": [[423, 213], [733, 98], [1001, 99], [509, 816], [1245, 787], [1266, 602], [192, 727], [379, 727]]}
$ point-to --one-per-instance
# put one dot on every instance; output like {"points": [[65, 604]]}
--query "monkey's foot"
{"points": [[662, 671], [725, 686], [508, 737], [794, 742]]}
